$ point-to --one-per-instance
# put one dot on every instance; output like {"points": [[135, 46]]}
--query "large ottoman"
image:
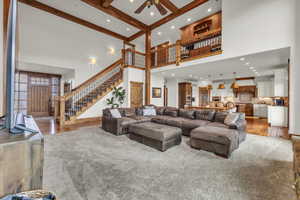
{"points": [[158, 136], [221, 141]]}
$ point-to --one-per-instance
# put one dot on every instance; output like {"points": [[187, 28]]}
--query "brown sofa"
{"points": [[187, 120]]}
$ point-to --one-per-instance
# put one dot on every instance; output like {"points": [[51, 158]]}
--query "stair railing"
{"points": [[71, 103]]}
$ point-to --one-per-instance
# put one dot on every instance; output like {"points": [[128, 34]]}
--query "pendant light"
{"points": [[209, 86], [234, 84], [221, 85]]}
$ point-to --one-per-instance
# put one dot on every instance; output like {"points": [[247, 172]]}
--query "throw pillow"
{"points": [[160, 110], [149, 112], [170, 111], [115, 113], [231, 118]]}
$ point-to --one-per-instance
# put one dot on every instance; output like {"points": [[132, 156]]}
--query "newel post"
{"points": [[62, 111], [178, 52]]}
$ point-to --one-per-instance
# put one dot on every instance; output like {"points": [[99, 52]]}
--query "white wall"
{"points": [[1, 59], [295, 78], [172, 85], [158, 82], [135, 75]]}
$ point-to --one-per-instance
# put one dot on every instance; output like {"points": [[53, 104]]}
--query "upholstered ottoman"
{"points": [[221, 141], [158, 136]]}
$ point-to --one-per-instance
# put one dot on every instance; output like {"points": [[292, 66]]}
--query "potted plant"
{"points": [[118, 97]]}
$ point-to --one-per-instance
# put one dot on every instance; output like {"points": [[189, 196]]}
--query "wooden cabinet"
{"points": [[185, 94], [278, 116], [265, 89], [246, 108]]}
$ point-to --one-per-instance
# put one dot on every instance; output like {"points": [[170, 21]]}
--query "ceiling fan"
{"points": [[149, 3]]}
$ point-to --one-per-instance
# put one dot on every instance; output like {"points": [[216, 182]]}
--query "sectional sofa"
{"points": [[205, 127]]}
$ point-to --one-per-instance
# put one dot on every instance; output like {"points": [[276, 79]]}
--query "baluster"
{"points": [[62, 112]]}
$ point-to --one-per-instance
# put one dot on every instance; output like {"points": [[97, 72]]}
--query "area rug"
{"points": [[91, 164]]}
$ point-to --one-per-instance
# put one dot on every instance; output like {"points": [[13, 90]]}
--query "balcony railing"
{"points": [[209, 44]]}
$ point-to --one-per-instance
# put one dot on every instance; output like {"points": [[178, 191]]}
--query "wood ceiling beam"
{"points": [[170, 17], [106, 3], [117, 14], [136, 35], [180, 11], [168, 4], [72, 18]]}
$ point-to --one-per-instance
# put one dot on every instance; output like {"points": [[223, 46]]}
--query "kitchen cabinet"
{"points": [[260, 110], [265, 89], [281, 83], [278, 116]]}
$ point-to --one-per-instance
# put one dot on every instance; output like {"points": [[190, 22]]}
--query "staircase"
{"points": [[75, 103]]}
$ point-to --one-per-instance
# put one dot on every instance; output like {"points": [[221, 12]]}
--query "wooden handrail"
{"points": [[163, 48], [204, 36], [135, 51], [94, 78]]}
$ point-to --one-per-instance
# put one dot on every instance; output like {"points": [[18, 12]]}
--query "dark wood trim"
{"points": [[245, 78], [72, 18], [136, 82], [106, 3], [135, 67], [148, 68], [6, 5], [136, 35], [117, 14], [203, 19], [168, 4], [39, 73], [180, 11], [89, 119], [289, 91]]}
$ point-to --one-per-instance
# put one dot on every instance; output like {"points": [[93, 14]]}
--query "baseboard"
{"points": [[86, 120]]}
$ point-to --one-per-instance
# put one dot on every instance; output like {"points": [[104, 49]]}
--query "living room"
{"points": [[131, 99]]}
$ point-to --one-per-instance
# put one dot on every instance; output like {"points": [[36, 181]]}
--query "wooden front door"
{"points": [[136, 94]]}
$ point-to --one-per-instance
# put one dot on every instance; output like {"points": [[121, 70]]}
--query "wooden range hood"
{"points": [[246, 89]]}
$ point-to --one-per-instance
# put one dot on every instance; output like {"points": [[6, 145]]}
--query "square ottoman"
{"points": [[158, 136], [221, 141]]}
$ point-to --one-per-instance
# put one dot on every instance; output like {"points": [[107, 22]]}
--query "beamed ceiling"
{"points": [[117, 17]]}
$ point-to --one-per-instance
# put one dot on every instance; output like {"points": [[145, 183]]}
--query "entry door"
{"points": [[136, 94], [39, 91]]}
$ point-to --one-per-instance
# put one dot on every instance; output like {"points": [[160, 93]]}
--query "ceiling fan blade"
{"points": [[161, 9], [141, 8]]}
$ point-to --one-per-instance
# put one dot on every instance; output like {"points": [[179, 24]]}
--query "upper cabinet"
{"points": [[281, 82]]}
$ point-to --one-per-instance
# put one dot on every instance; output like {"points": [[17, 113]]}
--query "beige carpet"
{"points": [[95, 165]]}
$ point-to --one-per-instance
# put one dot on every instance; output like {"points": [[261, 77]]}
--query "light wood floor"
{"points": [[254, 126]]}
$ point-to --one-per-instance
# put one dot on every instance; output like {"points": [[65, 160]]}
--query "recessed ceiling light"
{"points": [[108, 20], [127, 29], [173, 74], [158, 33], [251, 67], [191, 75], [131, 1], [247, 63], [93, 61], [209, 10], [111, 50], [242, 59], [173, 27], [152, 14], [189, 19]]}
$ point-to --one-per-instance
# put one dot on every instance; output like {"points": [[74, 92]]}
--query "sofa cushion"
{"points": [[115, 113], [127, 112], [189, 114], [191, 124], [140, 119], [139, 111], [126, 121], [207, 115], [175, 121], [231, 118], [160, 110], [171, 111], [160, 119], [220, 117], [218, 124]]}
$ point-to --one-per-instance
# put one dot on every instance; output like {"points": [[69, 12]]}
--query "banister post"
{"points": [[178, 52], [56, 108], [62, 111], [123, 58]]}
